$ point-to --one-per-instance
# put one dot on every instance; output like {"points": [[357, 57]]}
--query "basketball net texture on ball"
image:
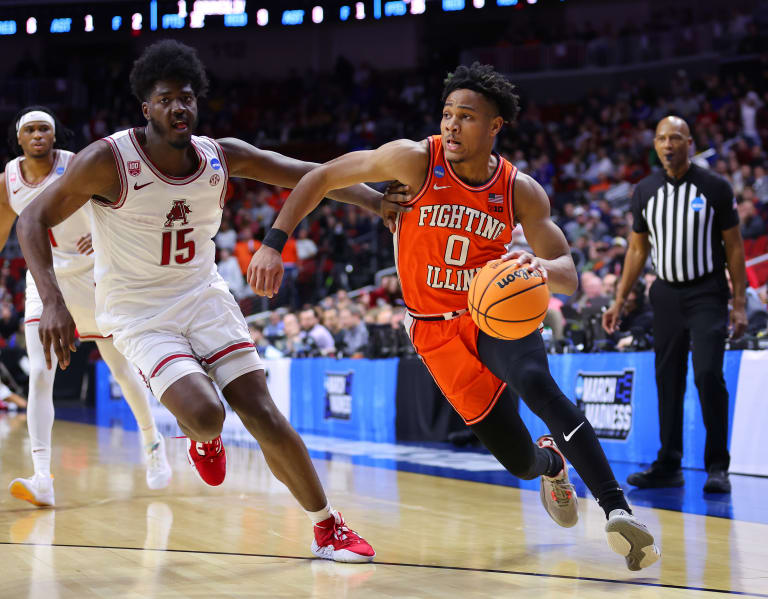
{"points": [[507, 301]]}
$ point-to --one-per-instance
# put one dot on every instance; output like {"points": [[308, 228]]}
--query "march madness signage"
{"points": [[606, 400], [338, 395]]}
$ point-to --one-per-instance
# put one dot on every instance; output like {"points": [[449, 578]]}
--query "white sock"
{"points": [[133, 388], [320, 515], [40, 411]]}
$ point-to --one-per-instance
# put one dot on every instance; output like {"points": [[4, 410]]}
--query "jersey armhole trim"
{"points": [[428, 179], [511, 196], [121, 174], [224, 168]]}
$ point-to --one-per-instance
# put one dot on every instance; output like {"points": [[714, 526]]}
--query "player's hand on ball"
{"points": [[527, 261], [392, 202], [84, 245], [265, 272], [57, 331]]}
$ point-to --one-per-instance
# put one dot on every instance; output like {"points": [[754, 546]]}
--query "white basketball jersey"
{"points": [[64, 236], [154, 245]]}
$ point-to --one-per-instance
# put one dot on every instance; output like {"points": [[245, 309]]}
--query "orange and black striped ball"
{"points": [[506, 301]]}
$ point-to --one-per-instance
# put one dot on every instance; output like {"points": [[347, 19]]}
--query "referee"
{"points": [[685, 217]]}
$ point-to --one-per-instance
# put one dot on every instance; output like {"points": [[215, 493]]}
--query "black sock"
{"points": [[556, 463], [610, 496]]}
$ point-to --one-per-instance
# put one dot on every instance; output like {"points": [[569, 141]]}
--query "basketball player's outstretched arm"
{"points": [[249, 162], [7, 215], [91, 172], [550, 248], [403, 160]]}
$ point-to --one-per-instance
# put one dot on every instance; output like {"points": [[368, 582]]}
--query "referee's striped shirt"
{"points": [[684, 219]]}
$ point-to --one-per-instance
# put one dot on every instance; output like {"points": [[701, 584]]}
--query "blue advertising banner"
{"points": [[111, 408], [351, 399], [617, 392]]}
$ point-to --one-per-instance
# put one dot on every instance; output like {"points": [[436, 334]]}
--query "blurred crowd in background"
{"points": [[340, 296]]}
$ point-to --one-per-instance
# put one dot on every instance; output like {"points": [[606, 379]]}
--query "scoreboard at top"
{"points": [[158, 15]]}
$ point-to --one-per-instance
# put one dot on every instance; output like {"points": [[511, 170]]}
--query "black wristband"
{"points": [[276, 239]]}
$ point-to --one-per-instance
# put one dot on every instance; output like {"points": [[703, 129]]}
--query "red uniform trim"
{"points": [[226, 351], [168, 359], [121, 173], [171, 180], [224, 169], [31, 320], [94, 337], [26, 183]]}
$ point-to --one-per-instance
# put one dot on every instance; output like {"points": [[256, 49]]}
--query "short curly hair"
{"points": [[167, 60], [63, 135], [485, 80]]}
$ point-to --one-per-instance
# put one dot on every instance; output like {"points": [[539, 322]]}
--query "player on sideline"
{"points": [[158, 194], [468, 201], [33, 136]]}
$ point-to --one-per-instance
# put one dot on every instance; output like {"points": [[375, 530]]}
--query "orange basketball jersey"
{"points": [[453, 230]]}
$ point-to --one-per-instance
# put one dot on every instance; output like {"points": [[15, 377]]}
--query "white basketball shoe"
{"points": [[631, 538], [158, 469], [38, 490]]}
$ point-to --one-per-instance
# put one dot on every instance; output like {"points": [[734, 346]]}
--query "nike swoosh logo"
{"points": [[569, 435], [437, 187], [16, 190], [137, 187]]}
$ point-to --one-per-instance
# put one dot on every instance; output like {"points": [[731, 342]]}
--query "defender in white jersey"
{"points": [[158, 193], [39, 165]]}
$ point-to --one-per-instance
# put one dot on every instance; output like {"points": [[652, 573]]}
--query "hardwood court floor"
{"points": [[111, 537]]}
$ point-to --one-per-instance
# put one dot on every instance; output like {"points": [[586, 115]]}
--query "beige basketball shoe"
{"points": [[557, 493]]}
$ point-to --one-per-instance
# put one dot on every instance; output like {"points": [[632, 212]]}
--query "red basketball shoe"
{"points": [[334, 541], [209, 460]]}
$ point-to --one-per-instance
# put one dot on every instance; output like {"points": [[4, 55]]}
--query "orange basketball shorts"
{"points": [[449, 350]]}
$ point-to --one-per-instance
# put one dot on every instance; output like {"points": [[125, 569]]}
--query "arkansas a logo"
{"points": [[134, 168], [178, 212]]}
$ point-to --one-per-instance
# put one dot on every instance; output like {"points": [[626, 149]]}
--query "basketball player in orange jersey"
{"points": [[157, 195], [469, 198]]}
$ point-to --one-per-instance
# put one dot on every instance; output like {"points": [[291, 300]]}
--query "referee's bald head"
{"points": [[674, 123]]}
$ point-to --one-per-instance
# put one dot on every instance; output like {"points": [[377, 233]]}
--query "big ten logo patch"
{"points": [[338, 395], [606, 400]]}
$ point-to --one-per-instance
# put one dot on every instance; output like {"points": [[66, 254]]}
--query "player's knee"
{"points": [[39, 378], [533, 381], [205, 420]]}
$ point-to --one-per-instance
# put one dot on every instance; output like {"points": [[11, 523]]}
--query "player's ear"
{"points": [[496, 123], [145, 109]]}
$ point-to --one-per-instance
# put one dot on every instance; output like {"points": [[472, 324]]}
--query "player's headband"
{"points": [[35, 116]]}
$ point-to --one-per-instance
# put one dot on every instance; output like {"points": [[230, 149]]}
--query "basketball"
{"points": [[507, 301]]}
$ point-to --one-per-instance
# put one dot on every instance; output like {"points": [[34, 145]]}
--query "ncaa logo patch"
{"points": [[134, 168], [60, 170], [214, 180], [215, 164], [697, 204], [439, 172]]}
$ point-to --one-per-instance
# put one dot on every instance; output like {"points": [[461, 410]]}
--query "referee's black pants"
{"points": [[694, 312]]}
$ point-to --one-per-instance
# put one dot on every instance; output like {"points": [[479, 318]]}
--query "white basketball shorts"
{"points": [[79, 293], [205, 333]]}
